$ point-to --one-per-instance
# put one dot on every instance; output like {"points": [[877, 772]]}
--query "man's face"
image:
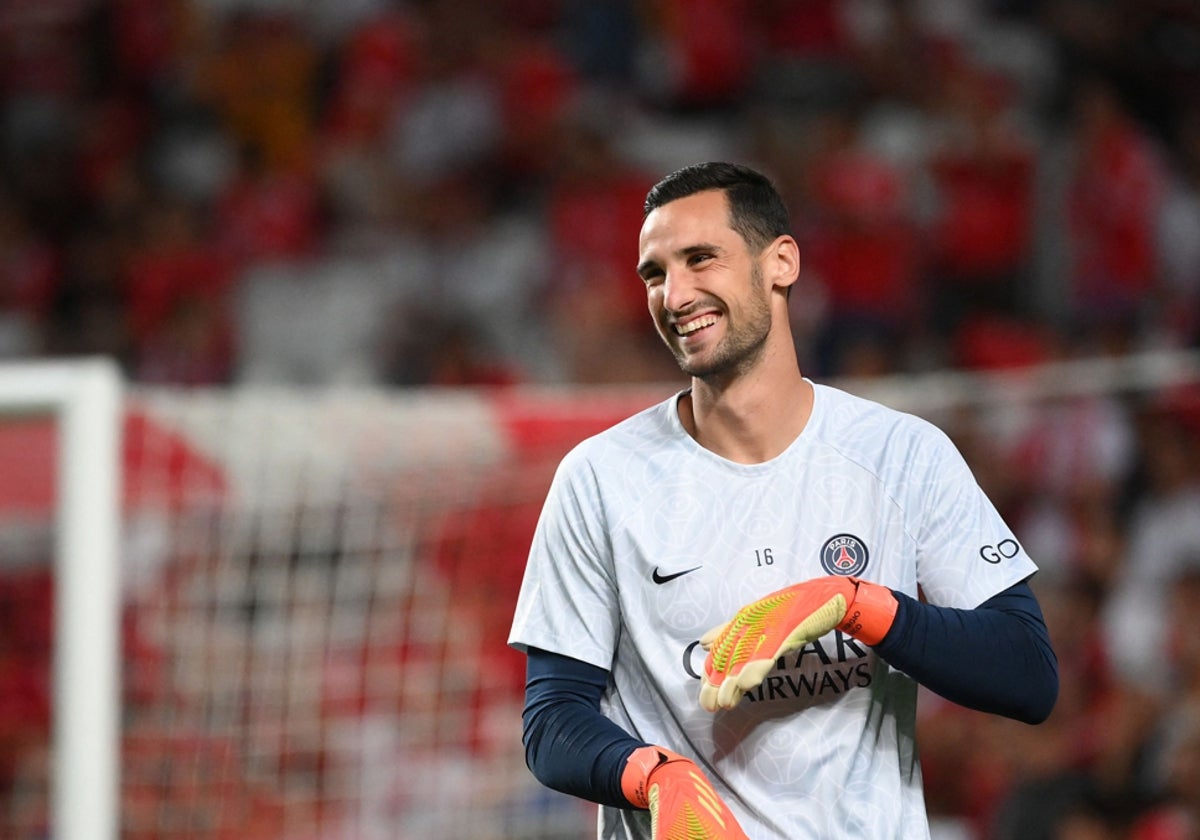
{"points": [[704, 289]]}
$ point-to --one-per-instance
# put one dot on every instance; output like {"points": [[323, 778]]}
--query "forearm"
{"points": [[996, 658], [569, 745]]}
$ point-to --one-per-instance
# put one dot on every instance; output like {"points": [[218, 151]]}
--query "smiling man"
{"points": [[720, 605], [687, 312]]}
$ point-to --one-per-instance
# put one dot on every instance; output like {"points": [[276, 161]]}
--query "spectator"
{"points": [[1114, 198], [592, 212], [267, 215], [29, 273], [1163, 530], [1178, 247], [981, 171], [862, 246], [178, 298], [261, 80], [88, 314], [1174, 764], [702, 53], [452, 124]]}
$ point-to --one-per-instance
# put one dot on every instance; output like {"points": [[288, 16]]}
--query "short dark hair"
{"points": [[756, 209]]}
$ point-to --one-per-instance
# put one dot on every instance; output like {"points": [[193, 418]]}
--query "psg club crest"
{"points": [[844, 555]]}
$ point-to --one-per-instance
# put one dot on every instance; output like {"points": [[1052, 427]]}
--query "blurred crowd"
{"points": [[1104, 493], [448, 192]]}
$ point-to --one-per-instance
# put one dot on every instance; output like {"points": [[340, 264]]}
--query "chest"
{"points": [[692, 548]]}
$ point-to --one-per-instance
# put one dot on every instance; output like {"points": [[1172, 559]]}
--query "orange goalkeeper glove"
{"points": [[742, 651], [682, 802]]}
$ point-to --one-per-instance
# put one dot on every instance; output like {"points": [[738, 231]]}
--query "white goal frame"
{"points": [[84, 397]]}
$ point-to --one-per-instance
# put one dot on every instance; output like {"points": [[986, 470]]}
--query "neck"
{"points": [[751, 418]]}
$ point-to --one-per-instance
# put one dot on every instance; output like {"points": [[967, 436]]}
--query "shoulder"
{"points": [[640, 435], [860, 425], [904, 452]]}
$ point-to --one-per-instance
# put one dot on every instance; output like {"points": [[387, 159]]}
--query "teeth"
{"points": [[691, 326]]}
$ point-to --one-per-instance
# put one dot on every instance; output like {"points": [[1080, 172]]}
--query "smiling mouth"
{"points": [[695, 325]]}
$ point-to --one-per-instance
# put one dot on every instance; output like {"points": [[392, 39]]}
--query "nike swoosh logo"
{"points": [[661, 579]]}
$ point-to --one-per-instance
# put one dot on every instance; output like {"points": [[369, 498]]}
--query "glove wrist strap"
{"points": [[871, 615], [635, 778], [636, 774]]}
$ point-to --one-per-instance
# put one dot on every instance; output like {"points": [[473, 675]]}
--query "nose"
{"points": [[679, 290]]}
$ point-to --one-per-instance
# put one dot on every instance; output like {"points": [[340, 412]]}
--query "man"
{"points": [[720, 606]]}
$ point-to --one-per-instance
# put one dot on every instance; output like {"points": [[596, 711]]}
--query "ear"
{"points": [[781, 262]]}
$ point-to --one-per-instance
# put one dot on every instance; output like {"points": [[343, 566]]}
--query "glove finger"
{"points": [[709, 683], [817, 624], [708, 638], [708, 695], [729, 694], [712, 694], [752, 675]]}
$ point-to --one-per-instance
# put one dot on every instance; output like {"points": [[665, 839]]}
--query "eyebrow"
{"points": [[700, 248]]}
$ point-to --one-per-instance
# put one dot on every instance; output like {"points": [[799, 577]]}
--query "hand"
{"points": [[742, 651], [683, 804]]}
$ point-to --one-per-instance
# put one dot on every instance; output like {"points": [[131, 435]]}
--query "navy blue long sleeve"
{"points": [[569, 745], [996, 658]]}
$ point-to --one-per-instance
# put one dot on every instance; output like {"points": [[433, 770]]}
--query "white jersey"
{"points": [[647, 540]]}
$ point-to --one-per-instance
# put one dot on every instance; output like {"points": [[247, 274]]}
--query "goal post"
{"points": [[84, 398]]}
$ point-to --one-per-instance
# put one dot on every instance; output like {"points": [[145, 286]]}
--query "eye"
{"points": [[652, 278], [699, 258]]}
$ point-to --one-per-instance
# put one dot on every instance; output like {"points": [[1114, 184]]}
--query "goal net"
{"points": [[316, 589], [315, 596]]}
